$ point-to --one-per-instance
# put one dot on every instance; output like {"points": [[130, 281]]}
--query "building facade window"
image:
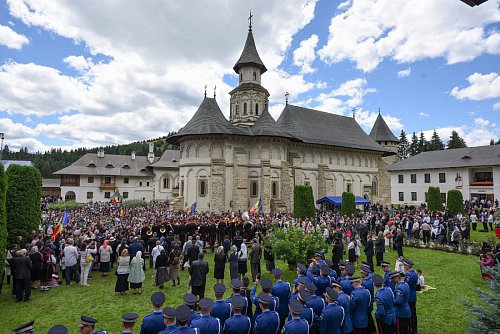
{"points": [[203, 188], [241, 77], [244, 108], [90, 195], [107, 180], [69, 179], [107, 194], [254, 188], [166, 183], [274, 189], [257, 109], [425, 197], [443, 198], [442, 177], [401, 178], [147, 184], [90, 179], [401, 196], [237, 109], [427, 178], [413, 178], [126, 180], [254, 76], [349, 188], [125, 194], [413, 195], [374, 188], [140, 184]]}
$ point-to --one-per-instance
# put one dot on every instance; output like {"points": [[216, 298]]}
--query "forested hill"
{"points": [[55, 159]]}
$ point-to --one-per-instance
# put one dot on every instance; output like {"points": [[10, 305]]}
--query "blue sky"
{"points": [[89, 73]]}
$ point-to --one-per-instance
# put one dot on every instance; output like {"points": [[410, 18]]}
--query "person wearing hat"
{"points": [[316, 303], [190, 301], [387, 275], [221, 309], [333, 273], [296, 325], [207, 324], [58, 329], [281, 290], [128, 322], [153, 323], [342, 275], [333, 314], [301, 272], [236, 286], [169, 321], [367, 282], [319, 259], [344, 301], [308, 313], [239, 323], [267, 286], [337, 254], [401, 306], [26, 328], [87, 326], [384, 315], [323, 280], [369, 251], [268, 321], [411, 278], [346, 282], [182, 314], [360, 303]]}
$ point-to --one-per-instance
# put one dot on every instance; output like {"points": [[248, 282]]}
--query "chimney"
{"points": [[133, 155], [100, 153], [151, 154]]}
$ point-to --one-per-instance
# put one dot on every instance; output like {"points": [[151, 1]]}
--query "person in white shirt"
{"points": [[71, 262], [421, 280], [156, 251], [400, 267], [473, 220]]}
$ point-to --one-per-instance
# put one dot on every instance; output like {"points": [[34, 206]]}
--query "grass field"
{"points": [[482, 236], [439, 311]]}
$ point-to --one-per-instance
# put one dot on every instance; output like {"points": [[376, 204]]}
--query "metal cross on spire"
{"points": [[286, 98], [354, 112], [379, 110], [250, 20], [205, 90], [215, 89]]}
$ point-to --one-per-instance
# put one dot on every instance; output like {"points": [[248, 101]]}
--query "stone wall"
{"points": [[218, 185]]}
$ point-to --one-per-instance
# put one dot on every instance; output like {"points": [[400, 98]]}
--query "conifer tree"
{"points": [[436, 144], [414, 145], [422, 143], [455, 141], [404, 146], [485, 316]]}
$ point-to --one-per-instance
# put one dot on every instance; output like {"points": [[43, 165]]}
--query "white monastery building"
{"points": [[475, 171]]}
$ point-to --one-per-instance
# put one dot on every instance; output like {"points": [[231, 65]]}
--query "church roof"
{"points": [[267, 126], [381, 132], [249, 56], [318, 127], [169, 159], [208, 119]]}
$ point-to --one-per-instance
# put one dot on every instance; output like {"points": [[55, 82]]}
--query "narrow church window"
{"points": [[274, 189], [241, 77], [254, 76], [374, 188], [237, 109], [203, 188], [349, 187], [244, 108], [257, 109], [166, 183], [253, 189]]}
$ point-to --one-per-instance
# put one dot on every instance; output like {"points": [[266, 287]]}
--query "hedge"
{"points": [[134, 203], [3, 218], [455, 202], [23, 200], [295, 246], [303, 202], [434, 200], [61, 206], [348, 207]]}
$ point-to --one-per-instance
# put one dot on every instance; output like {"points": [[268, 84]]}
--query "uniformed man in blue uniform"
{"points": [[26, 328], [239, 323], [190, 301], [366, 275], [297, 325], [87, 326], [128, 322], [221, 309], [282, 291], [301, 283], [360, 302], [301, 272], [387, 272], [322, 281], [401, 306], [344, 301], [384, 315], [267, 286], [342, 265], [169, 321], [333, 273], [153, 323], [268, 322], [346, 282], [333, 314], [411, 279], [319, 259], [182, 314], [308, 313], [315, 302], [206, 324], [58, 329], [236, 286]]}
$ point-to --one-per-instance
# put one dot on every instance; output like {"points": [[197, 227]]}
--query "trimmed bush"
{"points": [[455, 202], [134, 203], [23, 200], [303, 202], [348, 206], [295, 246], [3, 217], [61, 206], [434, 200]]}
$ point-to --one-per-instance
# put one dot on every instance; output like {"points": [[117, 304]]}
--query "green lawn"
{"points": [[439, 311], [483, 236]]}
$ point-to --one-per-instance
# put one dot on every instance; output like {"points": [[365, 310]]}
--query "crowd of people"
{"points": [[128, 240]]}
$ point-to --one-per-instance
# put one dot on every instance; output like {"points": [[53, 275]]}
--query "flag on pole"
{"points": [[193, 208], [62, 222], [122, 213], [115, 199], [257, 207]]}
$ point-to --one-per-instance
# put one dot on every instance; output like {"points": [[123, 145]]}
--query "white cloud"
{"points": [[481, 87], [367, 118], [496, 106], [404, 73], [79, 63], [423, 114], [406, 31], [12, 39], [305, 54]]}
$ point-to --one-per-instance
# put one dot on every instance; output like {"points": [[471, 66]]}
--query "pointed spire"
{"points": [[249, 56], [379, 110], [286, 98], [250, 21], [381, 132]]}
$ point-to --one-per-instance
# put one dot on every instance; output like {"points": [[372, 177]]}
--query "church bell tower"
{"points": [[249, 98]]}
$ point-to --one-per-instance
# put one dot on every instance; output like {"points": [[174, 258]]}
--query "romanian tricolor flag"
{"points": [[122, 213], [257, 207], [59, 227], [115, 199], [191, 210]]}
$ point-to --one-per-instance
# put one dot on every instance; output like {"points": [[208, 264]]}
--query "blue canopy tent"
{"points": [[337, 200]]}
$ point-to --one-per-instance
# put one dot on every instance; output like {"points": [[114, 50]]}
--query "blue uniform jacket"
{"points": [[281, 290], [344, 301], [296, 326], [296, 281], [245, 307], [273, 305], [401, 296], [221, 310], [309, 316], [385, 310], [388, 282], [360, 301], [368, 284], [332, 320], [193, 316], [207, 325], [267, 323], [153, 323], [237, 324], [321, 282], [169, 329], [185, 330], [346, 286], [333, 275], [317, 304], [411, 279]]}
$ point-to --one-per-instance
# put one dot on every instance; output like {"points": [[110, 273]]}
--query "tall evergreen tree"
{"points": [[484, 316], [422, 143], [455, 141], [492, 141], [404, 146], [414, 145], [436, 144]]}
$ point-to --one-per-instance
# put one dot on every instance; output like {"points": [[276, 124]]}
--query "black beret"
{"points": [[158, 298]]}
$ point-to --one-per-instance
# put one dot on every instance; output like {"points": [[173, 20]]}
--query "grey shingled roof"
{"points": [[83, 166], [267, 126], [460, 157], [169, 159], [318, 127], [51, 183], [381, 132], [249, 56], [249, 86]]}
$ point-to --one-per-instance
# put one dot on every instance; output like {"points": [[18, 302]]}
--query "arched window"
{"points": [[203, 188], [241, 77], [166, 183], [374, 188], [237, 109], [244, 108], [257, 109], [254, 76], [274, 189]]}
